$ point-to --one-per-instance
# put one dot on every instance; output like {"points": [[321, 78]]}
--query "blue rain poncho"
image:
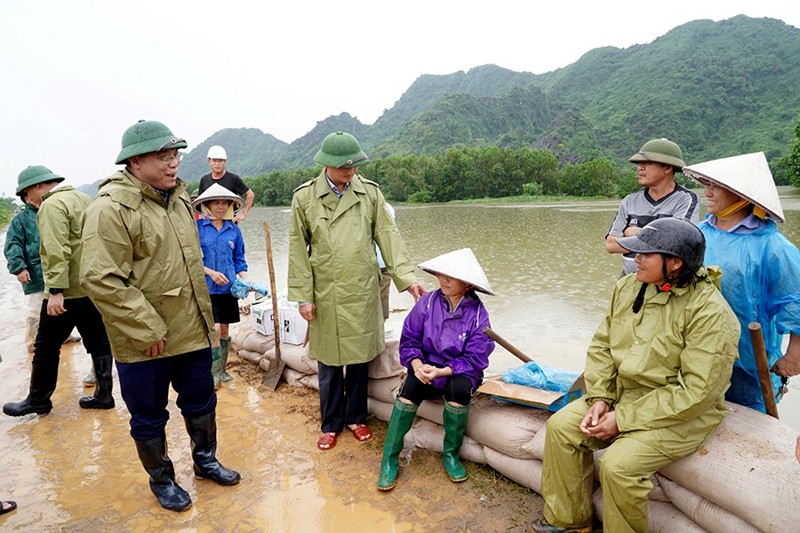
{"points": [[761, 282]]}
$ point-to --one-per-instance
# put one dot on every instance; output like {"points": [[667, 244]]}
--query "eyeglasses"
{"points": [[168, 159]]}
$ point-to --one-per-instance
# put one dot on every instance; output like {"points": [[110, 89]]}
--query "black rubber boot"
{"points": [[43, 384], [203, 434], [156, 462], [102, 398]]}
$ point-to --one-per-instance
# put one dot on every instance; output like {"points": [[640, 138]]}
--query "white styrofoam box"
{"points": [[293, 326], [262, 318]]}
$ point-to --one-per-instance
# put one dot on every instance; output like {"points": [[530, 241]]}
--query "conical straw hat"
{"points": [[216, 192], [746, 175], [461, 265]]}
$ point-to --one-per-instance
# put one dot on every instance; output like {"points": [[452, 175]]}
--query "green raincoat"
{"points": [[332, 263], [664, 372], [59, 221], [22, 249], [143, 269]]}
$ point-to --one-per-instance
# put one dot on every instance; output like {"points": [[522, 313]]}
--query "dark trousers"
{"points": [[342, 399], [458, 389], [54, 330], [145, 389]]}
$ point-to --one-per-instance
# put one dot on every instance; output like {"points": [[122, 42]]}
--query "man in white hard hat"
{"points": [[217, 159]]}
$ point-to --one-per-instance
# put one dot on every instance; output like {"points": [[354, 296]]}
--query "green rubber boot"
{"points": [[216, 367], [224, 348], [455, 424], [402, 417]]}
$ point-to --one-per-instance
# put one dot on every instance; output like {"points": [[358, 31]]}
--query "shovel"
{"points": [[275, 371]]}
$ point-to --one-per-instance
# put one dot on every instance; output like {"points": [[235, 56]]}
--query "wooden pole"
{"points": [[274, 372], [762, 364], [507, 345]]}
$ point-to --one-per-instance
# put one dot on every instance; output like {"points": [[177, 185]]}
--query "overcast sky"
{"points": [[76, 73]]}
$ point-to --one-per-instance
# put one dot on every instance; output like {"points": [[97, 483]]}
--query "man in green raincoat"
{"points": [[333, 274]]}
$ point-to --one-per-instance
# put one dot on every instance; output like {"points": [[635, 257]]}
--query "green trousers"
{"points": [[625, 470]]}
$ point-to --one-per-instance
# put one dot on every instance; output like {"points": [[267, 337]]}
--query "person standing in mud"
{"points": [[656, 164], [143, 268], [65, 305], [24, 263], [333, 274]]}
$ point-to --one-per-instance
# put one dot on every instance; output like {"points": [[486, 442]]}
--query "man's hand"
{"points": [[416, 290], [789, 364], [600, 422], [24, 276], [55, 305], [156, 349], [307, 311], [239, 217]]}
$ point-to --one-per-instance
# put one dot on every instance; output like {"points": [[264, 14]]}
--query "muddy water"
{"points": [[77, 470]]}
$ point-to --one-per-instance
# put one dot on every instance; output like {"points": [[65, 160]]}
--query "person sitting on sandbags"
{"points": [[445, 350], [656, 373]]}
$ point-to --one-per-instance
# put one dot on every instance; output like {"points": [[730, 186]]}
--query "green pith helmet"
{"points": [[661, 151], [33, 175], [670, 236], [147, 136], [340, 150]]}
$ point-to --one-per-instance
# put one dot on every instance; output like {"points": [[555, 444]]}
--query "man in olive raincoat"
{"points": [[66, 304], [143, 268], [333, 273], [656, 374]]}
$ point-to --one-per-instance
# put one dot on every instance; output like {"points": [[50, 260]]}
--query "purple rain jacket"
{"points": [[436, 337]]}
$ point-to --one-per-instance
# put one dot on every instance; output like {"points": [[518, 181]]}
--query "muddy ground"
{"points": [[75, 470]]}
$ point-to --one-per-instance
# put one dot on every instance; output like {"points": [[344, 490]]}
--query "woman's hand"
{"points": [[217, 277], [427, 373]]}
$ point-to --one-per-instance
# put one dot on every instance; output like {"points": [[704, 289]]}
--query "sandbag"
{"points": [[427, 435], [505, 427], [297, 357], [433, 410], [380, 410], [662, 517], [387, 364], [526, 472], [258, 358], [385, 389], [747, 467], [708, 515], [255, 342]]}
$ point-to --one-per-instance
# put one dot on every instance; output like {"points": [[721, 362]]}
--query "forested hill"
{"points": [[717, 88]]}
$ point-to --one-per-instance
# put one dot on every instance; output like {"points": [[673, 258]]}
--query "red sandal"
{"points": [[361, 432], [327, 441]]}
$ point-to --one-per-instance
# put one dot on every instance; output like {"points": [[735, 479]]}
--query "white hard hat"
{"points": [[745, 175], [217, 152], [462, 265]]}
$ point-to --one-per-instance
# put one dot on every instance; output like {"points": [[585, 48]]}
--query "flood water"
{"points": [[76, 470]]}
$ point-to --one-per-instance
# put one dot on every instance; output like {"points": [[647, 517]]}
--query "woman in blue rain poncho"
{"points": [[760, 267]]}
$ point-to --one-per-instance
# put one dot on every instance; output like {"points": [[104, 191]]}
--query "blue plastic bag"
{"points": [[241, 288], [541, 377]]}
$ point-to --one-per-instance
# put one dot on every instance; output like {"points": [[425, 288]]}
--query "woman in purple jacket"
{"points": [[445, 350]]}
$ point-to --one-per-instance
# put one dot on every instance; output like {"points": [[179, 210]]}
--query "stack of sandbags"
{"points": [[745, 478]]}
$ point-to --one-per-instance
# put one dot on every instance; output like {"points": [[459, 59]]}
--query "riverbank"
{"points": [[76, 470]]}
